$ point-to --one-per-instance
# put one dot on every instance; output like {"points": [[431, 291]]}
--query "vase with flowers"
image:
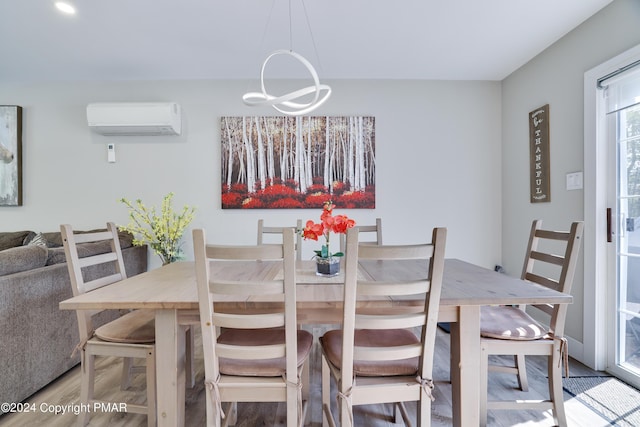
{"points": [[327, 263], [161, 231]]}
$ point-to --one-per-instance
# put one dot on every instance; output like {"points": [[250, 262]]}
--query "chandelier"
{"points": [[289, 103]]}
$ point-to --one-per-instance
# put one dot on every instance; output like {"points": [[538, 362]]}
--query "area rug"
{"points": [[614, 400]]}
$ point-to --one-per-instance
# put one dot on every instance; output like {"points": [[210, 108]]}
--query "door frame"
{"points": [[598, 299]]}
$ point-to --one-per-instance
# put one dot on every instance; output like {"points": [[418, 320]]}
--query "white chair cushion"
{"points": [[509, 323], [136, 327]]}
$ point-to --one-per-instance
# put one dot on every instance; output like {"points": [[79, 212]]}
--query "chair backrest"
{"points": [[111, 263], [270, 230], [373, 232], [211, 282], [550, 261], [429, 284]]}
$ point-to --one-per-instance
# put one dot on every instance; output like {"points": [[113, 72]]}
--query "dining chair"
{"points": [[550, 261], [374, 234], [255, 357], [129, 336], [382, 358], [270, 230]]}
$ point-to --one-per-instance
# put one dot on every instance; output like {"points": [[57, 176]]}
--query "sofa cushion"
{"points": [[57, 255], [22, 258], [36, 239], [12, 239]]}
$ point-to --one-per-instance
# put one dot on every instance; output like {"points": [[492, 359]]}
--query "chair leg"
{"points": [[151, 388], [232, 414], [87, 378], [556, 395], [424, 410], [292, 406], [484, 383], [190, 349], [125, 379], [522, 372], [397, 413], [327, 417], [213, 417], [344, 409]]}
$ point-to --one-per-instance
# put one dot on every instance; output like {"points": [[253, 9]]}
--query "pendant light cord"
{"points": [[313, 40]]}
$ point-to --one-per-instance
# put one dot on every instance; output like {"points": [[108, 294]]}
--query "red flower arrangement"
{"points": [[328, 223]]}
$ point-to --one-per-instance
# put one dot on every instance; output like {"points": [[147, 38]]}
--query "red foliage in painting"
{"points": [[232, 200], [236, 188], [285, 196], [292, 183], [252, 203], [286, 203], [355, 200], [278, 191], [272, 194], [340, 187], [317, 188], [275, 181], [316, 200]]}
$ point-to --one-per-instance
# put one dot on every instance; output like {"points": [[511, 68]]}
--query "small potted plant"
{"points": [[163, 231], [328, 264]]}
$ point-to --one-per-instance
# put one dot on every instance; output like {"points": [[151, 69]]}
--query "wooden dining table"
{"points": [[171, 292]]}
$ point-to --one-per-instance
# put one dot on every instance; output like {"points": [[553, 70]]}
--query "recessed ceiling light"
{"points": [[65, 7]]}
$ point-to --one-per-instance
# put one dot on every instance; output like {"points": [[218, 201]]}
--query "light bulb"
{"points": [[65, 7]]}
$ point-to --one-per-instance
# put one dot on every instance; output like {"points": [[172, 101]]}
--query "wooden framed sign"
{"points": [[10, 155], [539, 155]]}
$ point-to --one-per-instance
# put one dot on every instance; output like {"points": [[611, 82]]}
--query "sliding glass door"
{"points": [[623, 130], [627, 314]]}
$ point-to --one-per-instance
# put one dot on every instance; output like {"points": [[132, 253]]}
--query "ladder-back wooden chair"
{"points": [[373, 232], [257, 357], [264, 230], [550, 261], [378, 357], [129, 336]]}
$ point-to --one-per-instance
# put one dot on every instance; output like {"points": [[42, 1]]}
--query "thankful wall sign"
{"points": [[539, 154]]}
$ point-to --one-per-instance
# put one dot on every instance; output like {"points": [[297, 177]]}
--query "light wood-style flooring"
{"points": [[65, 391]]}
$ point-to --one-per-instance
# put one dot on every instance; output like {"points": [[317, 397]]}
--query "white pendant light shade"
{"points": [[285, 103]]}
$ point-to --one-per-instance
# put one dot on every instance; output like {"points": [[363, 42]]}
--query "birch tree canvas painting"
{"points": [[298, 162], [10, 155]]}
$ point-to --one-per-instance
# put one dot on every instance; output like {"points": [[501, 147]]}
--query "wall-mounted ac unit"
{"points": [[135, 118]]}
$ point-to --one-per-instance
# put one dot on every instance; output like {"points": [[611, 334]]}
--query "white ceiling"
{"points": [[213, 39]]}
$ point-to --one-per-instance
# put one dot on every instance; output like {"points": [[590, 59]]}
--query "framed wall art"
{"points": [[297, 162], [539, 180], [10, 155]]}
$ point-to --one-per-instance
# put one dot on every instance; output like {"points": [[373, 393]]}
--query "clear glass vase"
{"points": [[328, 267]]}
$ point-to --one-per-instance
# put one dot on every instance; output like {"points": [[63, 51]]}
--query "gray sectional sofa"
{"points": [[36, 337]]}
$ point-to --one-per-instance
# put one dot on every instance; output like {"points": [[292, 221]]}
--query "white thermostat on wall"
{"points": [[111, 153]]}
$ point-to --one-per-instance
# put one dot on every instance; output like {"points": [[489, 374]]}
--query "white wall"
{"points": [[437, 147], [556, 77]]}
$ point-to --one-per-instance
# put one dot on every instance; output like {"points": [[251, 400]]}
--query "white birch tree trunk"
{"points": [[310, 153], [350, 154], [284, 153], [360, 169], [246, 136], [301, 157], [270, 129], [260, 153], [230, 154], [327, 154]]}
